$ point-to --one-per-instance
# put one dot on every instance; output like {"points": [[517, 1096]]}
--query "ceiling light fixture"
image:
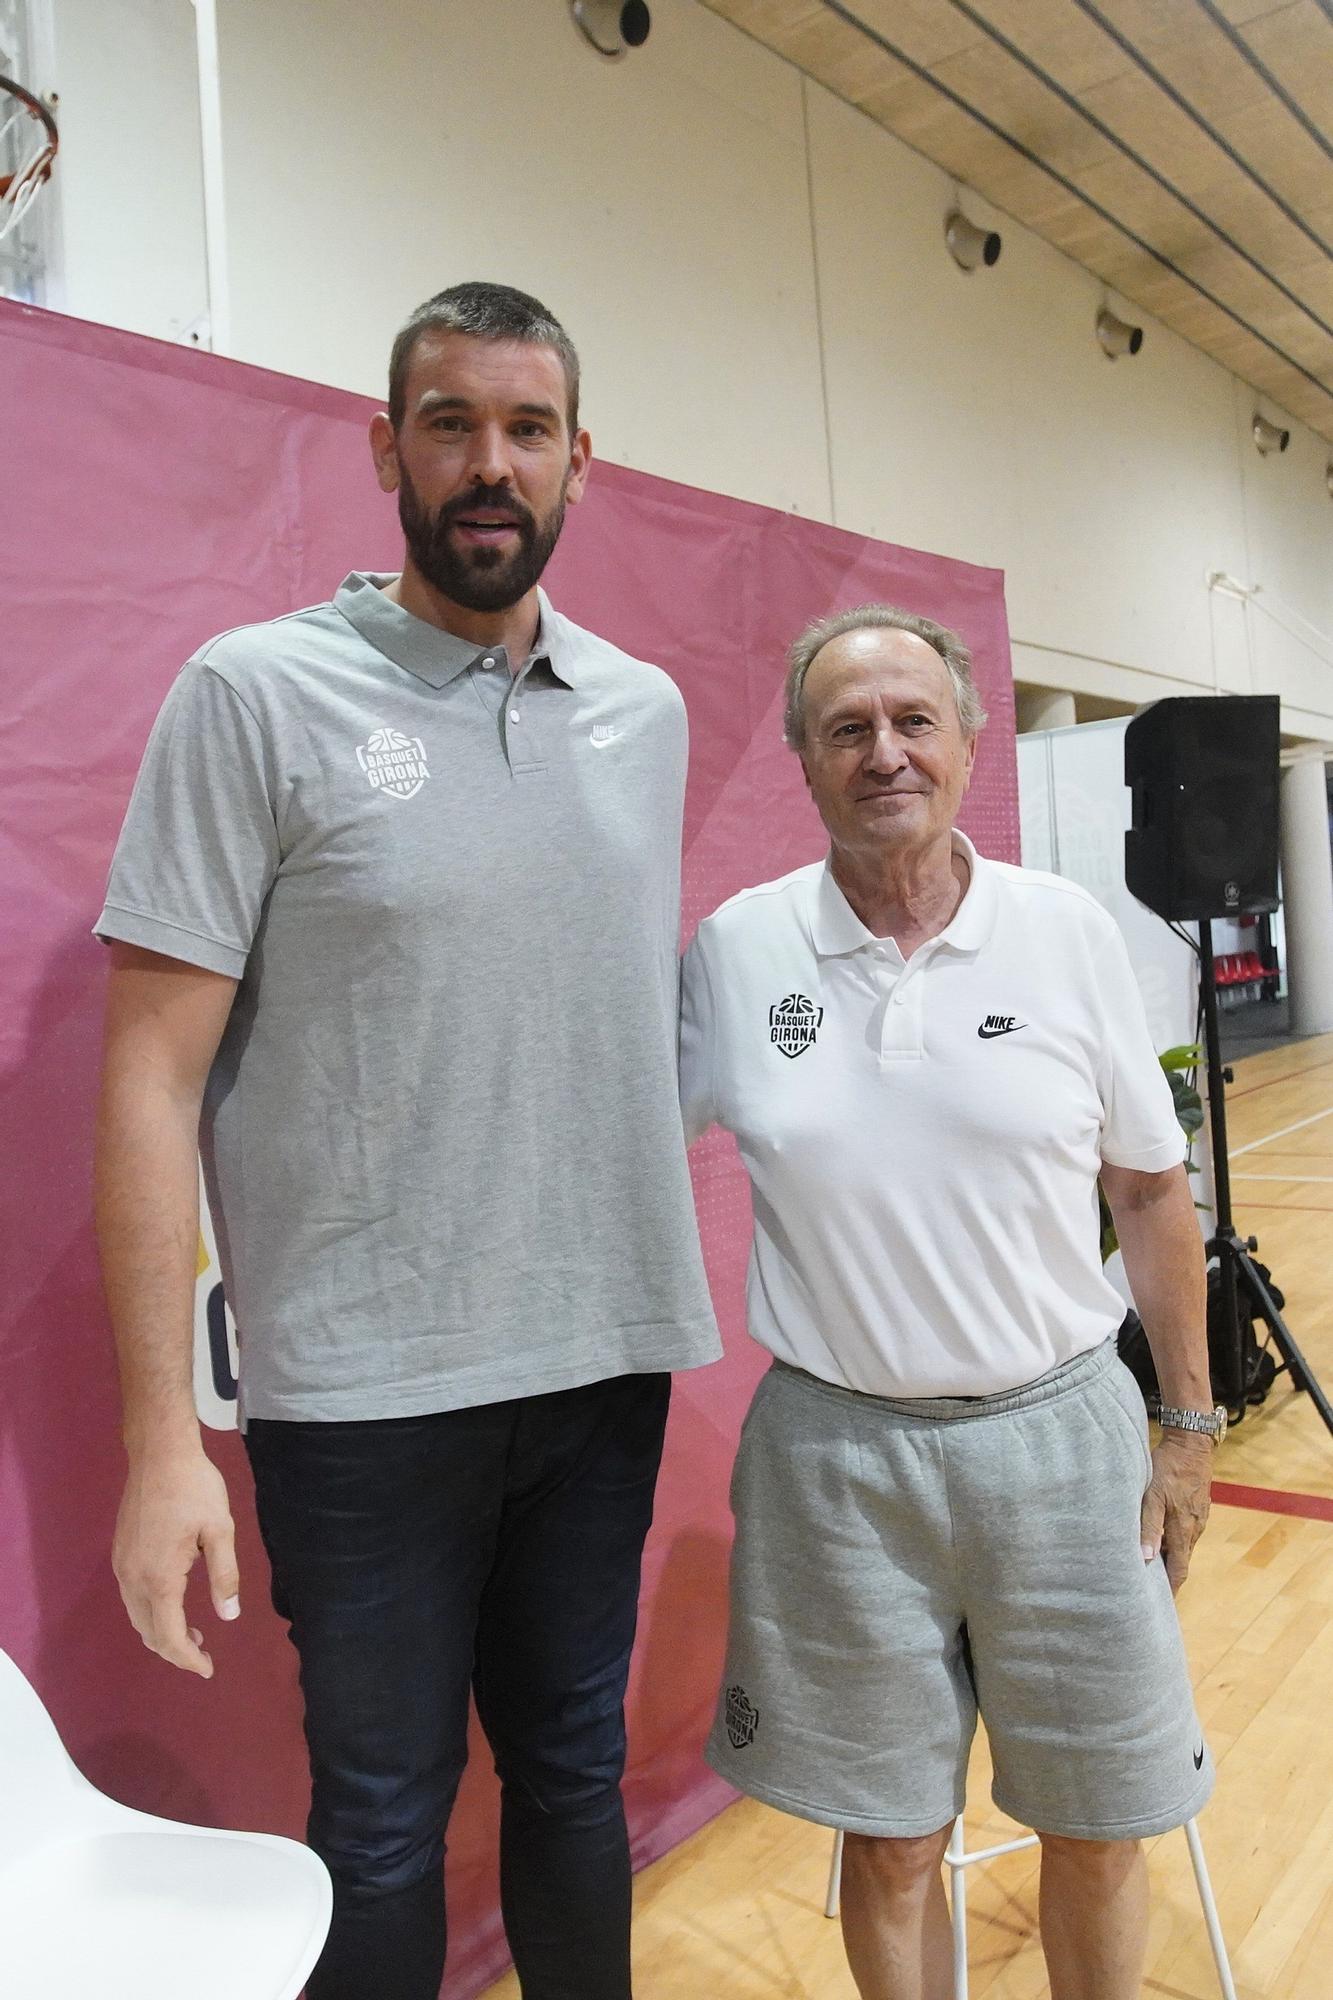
{"points": [[970, 246], [1268, 437], [1117, 336], [613, 27]]}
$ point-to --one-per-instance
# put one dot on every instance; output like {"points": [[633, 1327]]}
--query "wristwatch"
{"points": [[1213, 1423]]}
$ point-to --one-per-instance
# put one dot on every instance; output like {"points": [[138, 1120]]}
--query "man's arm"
{"points": [[1163, 1253], [696, 1049], [163, 1024]]}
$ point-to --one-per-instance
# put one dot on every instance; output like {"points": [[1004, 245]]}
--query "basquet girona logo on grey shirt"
{"points": [[394, 763]]}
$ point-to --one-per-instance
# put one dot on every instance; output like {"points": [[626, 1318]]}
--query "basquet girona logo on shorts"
{"points": [[742, 1718], [393, 763]]}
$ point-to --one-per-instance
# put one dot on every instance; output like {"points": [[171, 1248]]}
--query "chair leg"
{"points": [[834, 1896], [956, 1858], [1210, 1917]]}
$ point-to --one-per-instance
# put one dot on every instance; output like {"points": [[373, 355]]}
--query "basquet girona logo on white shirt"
{"points": [[393, 763]]}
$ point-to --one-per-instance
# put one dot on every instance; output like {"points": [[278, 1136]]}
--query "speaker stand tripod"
{"points": [[1236, 1267]]}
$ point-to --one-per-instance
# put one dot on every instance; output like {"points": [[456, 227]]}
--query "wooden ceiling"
{"points": [[1182, 150]]}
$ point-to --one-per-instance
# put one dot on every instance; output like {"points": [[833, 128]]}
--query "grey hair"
{"points": [[488, 312], [880, 617]]}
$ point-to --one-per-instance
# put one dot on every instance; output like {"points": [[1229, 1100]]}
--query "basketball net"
{"points": [[28, 136]]}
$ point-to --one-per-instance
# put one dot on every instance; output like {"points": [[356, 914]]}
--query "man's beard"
{"points": [[478, 579]]}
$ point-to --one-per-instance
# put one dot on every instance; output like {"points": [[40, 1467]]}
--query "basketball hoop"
{"points": [[29, 138]]}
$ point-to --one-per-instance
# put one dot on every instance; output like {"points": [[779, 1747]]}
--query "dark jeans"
{"points": [[496, 1549]]}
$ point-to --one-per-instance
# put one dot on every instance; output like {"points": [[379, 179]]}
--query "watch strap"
{"points": [[1211, 1423]]}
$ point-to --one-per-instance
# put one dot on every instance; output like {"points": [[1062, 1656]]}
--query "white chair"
{"points": [[98, 1902], [959, 1861]]}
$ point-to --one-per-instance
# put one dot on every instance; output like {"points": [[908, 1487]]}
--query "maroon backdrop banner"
{"points": [[152, 497]]}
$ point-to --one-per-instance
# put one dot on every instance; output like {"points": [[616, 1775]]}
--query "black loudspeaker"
{"points": [[1204, 772]]}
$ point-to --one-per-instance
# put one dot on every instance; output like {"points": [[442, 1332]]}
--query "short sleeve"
{"points": [[696, 1044], [1139, 1125], [199, 848]]}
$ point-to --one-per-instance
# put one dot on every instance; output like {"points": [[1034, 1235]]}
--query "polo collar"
{"points": [[974, 919], [835, 928], [557, 643], [431, 654]]}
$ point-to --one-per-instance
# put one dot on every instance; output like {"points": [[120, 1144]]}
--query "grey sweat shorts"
{"points": [[901, 1565]]}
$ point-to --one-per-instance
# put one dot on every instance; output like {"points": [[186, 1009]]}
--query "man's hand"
{"points": [[1175, 1507], [163, 1024], [174, 1508], [1163, 1253]]}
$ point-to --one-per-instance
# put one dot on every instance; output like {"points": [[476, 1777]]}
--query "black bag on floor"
{"points": [[1257, 1364]]}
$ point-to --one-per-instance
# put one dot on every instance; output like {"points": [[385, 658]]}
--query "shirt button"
{"points": [[488, 663], [898, 999], [513, 715]]}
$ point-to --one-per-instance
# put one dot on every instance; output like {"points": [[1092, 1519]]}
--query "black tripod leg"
{"points": [[1297, 1366]]}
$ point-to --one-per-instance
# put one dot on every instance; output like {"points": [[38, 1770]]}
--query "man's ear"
{"points": [[384, 451], [580, 458]]}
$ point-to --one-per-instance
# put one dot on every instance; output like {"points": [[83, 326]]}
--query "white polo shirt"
{"points": [[923, 1138]]}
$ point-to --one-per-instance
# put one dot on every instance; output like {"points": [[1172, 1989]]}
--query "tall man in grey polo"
{"points": [[404, 910], [441, 1122]]}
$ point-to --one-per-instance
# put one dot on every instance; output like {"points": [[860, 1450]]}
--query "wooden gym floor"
{"points": [[738, 1910]]}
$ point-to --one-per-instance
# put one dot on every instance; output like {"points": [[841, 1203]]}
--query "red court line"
{"points": [[1267, 1500]]}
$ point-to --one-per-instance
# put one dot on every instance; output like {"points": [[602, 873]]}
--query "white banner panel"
{"points": [[1075, 808], [1075, 811]]}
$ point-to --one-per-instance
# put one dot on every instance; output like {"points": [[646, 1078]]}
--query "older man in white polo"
{"points": [[945, 1500]]}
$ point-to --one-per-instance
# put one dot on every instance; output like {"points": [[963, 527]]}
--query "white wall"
{"points": [[733, 249], [1290, 558], [977, 414], [659, 206]]}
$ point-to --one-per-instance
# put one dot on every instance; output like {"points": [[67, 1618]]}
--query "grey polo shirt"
{"points": [[441, 1136]]}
